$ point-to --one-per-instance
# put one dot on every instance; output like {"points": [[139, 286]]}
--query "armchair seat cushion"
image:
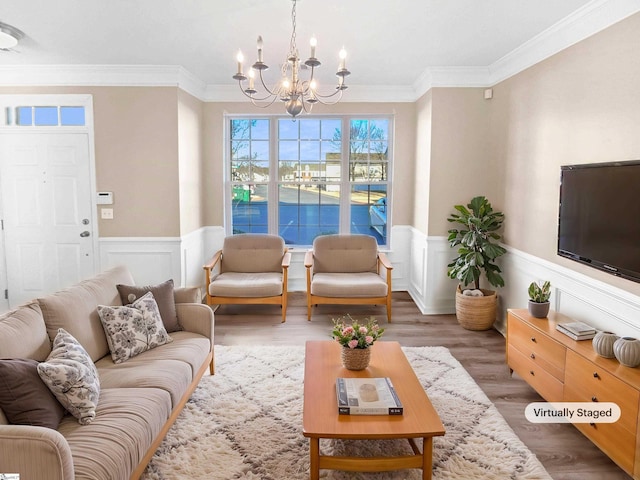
{"points": [[364, 284], [238, 284]]}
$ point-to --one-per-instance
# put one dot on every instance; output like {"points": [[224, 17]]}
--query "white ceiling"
{"points": [[403, 46]]}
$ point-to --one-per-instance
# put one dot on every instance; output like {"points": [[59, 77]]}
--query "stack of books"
{"points": [[577, 330]]}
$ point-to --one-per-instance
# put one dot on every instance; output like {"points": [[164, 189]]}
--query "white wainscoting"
{"points": [[420, 266], [431, 289], [153, 260], [573, 294], [149, 259]]}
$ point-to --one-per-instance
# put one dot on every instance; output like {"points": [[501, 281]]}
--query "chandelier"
{"points": [[298, 95]]}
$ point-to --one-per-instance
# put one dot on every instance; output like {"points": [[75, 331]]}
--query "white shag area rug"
{"points": [[245, 422]]}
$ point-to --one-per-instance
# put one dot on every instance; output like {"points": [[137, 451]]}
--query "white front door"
{"points": [[47, 212]]}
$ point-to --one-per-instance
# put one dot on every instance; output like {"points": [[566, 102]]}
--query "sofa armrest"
{"points": [[36, 453], [196, 318], [187, 295]]}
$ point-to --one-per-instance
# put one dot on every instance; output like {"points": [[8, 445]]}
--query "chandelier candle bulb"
{"points": [[343, 57], [260, 48], [313, 42], [251, 78], [240, 59]]}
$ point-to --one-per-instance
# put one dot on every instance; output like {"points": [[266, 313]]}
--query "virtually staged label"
{"points": [[572, 412]]}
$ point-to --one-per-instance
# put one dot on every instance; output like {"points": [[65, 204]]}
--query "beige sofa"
{"points": [[139, 399]]}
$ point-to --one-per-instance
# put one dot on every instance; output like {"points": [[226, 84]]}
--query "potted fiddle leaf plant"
{"points": [[476, 240], [539, 293]]}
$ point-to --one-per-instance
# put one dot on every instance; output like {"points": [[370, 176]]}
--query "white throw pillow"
{"points": [[133, 329], [72, 377]]}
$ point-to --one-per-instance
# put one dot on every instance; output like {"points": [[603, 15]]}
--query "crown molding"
{"points": [[584, 22]]}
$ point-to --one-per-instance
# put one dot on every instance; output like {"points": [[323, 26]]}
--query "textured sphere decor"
{"points": [[603, 344], [627, 351]]}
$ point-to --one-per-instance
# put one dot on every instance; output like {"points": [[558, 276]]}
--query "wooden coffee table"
{"points": [[320, 417]]}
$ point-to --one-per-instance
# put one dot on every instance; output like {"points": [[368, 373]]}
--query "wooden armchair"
{"points": [[251, 269], [346, 269]]}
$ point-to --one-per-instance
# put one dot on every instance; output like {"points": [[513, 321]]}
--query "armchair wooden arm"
{"points": [[208, 268]]}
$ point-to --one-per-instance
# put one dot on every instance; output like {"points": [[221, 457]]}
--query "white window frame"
{"points": [[274, 181]]}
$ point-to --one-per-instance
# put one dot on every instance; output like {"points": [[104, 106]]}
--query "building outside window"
{"points": [[309, 177]]}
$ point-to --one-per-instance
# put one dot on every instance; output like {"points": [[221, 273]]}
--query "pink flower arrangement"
{"points": [[352, 334]]}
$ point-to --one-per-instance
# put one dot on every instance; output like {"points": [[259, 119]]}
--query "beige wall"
{"points": [[423, 163], [136, 149], [404, 148], [454, 162], [192, 180], [580, 106]]}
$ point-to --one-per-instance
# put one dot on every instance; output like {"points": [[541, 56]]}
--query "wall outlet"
{"points": [[106, 213]]}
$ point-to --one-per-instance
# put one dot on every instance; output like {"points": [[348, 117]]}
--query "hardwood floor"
{"points": [[563, 450]]}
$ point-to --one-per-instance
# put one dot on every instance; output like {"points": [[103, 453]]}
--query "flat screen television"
{"points": [[599, 220]]}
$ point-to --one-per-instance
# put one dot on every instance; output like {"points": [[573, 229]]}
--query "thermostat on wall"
{"points": [[105, 198]]}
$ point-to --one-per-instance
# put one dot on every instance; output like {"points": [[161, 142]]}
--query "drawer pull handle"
{"points": [[533, 355], [594, 399], [533, 339], [593, 425], [532, 372], [595, 375]]}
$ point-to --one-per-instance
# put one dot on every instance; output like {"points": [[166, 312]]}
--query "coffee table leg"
{"points": [[314, 458], [427, 458]]}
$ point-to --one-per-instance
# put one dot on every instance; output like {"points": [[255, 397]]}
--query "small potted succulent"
{"points": [[539, 293]]}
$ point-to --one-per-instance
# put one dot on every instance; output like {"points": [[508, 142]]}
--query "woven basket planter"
{"points": [[476, 313], [356, 358]]}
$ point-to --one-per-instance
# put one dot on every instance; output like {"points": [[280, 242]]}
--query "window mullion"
{"points": [[345, 183], [274, 179]]}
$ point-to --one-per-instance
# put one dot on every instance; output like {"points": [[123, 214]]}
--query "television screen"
{"points": [[599, 221]]}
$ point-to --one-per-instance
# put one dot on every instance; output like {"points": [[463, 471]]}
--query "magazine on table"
{"points": [[367, 396]]}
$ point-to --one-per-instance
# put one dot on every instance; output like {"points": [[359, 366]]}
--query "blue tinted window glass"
{"points": [[24, 116], [72, 115], [46, 116]]}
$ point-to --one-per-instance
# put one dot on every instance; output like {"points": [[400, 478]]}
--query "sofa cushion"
{"points": [[190, 348], [134, 328], [74, 309], [173, 376], [348, 285], [234, 284], [251, 253], [345, 254], [164, 295], [72, 377], [24, 398], [23, 333], [111, 447]]}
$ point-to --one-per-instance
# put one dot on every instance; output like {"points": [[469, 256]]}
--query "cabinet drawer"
{"points": [[615, 441], [544, 351], [586, 382], [546, 384]]}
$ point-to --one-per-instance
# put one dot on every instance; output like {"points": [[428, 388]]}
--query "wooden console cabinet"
{"points": [[564, 370]]}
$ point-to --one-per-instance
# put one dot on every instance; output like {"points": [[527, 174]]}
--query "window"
{"points": [[309, 177], [49, 116]]}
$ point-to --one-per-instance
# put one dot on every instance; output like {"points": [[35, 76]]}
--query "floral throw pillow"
{"points": [[133, 329], [72, 377]]}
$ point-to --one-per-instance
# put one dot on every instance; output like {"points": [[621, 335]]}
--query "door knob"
{"points": [[85, 233]]}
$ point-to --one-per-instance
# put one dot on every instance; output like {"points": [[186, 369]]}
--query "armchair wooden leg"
{"points": [[389, 311], [284, 312]]}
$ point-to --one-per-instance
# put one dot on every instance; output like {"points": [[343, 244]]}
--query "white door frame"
{"points": [[7, 125]]}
